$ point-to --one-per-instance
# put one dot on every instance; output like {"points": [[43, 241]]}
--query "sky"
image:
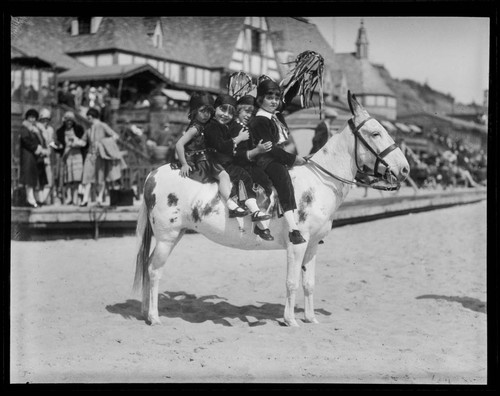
{"points": [[450, 54]]}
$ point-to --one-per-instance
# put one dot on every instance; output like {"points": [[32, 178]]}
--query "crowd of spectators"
{"points": [[82, 98], [453, 163]]}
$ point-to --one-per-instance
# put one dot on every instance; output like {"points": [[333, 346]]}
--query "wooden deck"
{"points": [[61, 221]]}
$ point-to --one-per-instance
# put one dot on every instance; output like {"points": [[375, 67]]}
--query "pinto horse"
{"points": [[173, 204]]}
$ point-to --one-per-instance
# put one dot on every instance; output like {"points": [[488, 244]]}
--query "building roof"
{"points": [[43, 38], [362, 77], [296, 36], [201, 41], [111, 72]]}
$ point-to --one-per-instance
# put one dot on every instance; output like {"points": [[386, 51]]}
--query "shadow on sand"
{"points": [[467, 302], [200, 309]]}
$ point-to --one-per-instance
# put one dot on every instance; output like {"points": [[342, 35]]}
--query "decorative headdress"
{"points": [[240, 84], [303, 78]]}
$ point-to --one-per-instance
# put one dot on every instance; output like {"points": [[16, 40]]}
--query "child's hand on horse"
{"points": [[185, 169]]}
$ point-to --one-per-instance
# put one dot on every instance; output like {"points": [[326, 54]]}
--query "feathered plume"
{"points": [[303, 78], [240, 84]]}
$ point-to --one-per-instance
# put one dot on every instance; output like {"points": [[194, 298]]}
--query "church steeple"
{"points": [[362, 43]]}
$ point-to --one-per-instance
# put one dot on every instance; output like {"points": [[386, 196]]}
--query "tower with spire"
{"points": [[362, 43]]}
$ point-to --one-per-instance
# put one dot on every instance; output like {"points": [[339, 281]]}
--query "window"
{"points": [[88, 60], [391, 102], [255, 65], [47, 78], [182, 74], [256, 41], [167, 70], [124, 59], [153, 62], [199, 77], [84, 25], [207, 82], [369, 100], [381, 101], [175, 72], [190, 75], [104, 59], [139, 60], [15, 84]]}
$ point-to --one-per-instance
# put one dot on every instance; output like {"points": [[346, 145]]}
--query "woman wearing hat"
{"points": [[94, 166], [48, 136], [268, 125], [218, 138], [69, 139], [32, 171]]}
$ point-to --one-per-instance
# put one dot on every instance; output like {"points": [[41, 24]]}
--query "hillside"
{"points": [[414, 97]]}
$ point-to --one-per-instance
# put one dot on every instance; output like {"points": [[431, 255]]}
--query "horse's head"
{"points": [[375, 152]]}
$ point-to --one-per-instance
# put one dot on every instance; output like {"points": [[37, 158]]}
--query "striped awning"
{"points": [[403, 127], [176, 95], [414, 128], [388, 125]]}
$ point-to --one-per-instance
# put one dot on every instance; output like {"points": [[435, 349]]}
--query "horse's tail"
{"points": [[144, 234]]}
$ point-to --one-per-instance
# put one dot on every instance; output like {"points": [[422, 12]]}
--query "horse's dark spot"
{"points": [[206, 210], [324, 150], [302, 215], [195, 214], [172, 199], [149, 186], [173, 219], [308, 197], [200, 211], [305, 201], [154, 220]]}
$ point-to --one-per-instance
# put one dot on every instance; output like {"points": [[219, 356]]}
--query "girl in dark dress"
{"points": [[197, 161], [268, 125]]}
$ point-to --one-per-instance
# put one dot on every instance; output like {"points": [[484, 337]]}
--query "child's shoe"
{"points": [[259, 216], [238, 212], [264, 234]]}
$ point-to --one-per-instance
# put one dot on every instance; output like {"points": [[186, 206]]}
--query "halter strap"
{"points": [[379, 159], [379, 156]]}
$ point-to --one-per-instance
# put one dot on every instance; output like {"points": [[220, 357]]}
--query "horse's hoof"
{"points": [[312, 320], [291, 323], [154, 321]]}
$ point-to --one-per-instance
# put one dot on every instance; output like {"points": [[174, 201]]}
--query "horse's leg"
{"points": [[308, 280], [158, 259], [295, 254]]}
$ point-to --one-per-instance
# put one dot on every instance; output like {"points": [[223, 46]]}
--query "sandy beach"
{"points": [[400, 301]]}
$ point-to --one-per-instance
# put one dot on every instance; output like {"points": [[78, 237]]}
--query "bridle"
{"points": [[379, 160]]}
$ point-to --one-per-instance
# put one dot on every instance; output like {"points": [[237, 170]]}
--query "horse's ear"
{"points": [[349, 100], [354, 105]]}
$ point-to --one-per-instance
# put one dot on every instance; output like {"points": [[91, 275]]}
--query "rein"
{"points": [[379, 160]]}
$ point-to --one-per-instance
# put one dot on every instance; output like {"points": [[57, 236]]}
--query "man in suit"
{"points": [[323, 131]]}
